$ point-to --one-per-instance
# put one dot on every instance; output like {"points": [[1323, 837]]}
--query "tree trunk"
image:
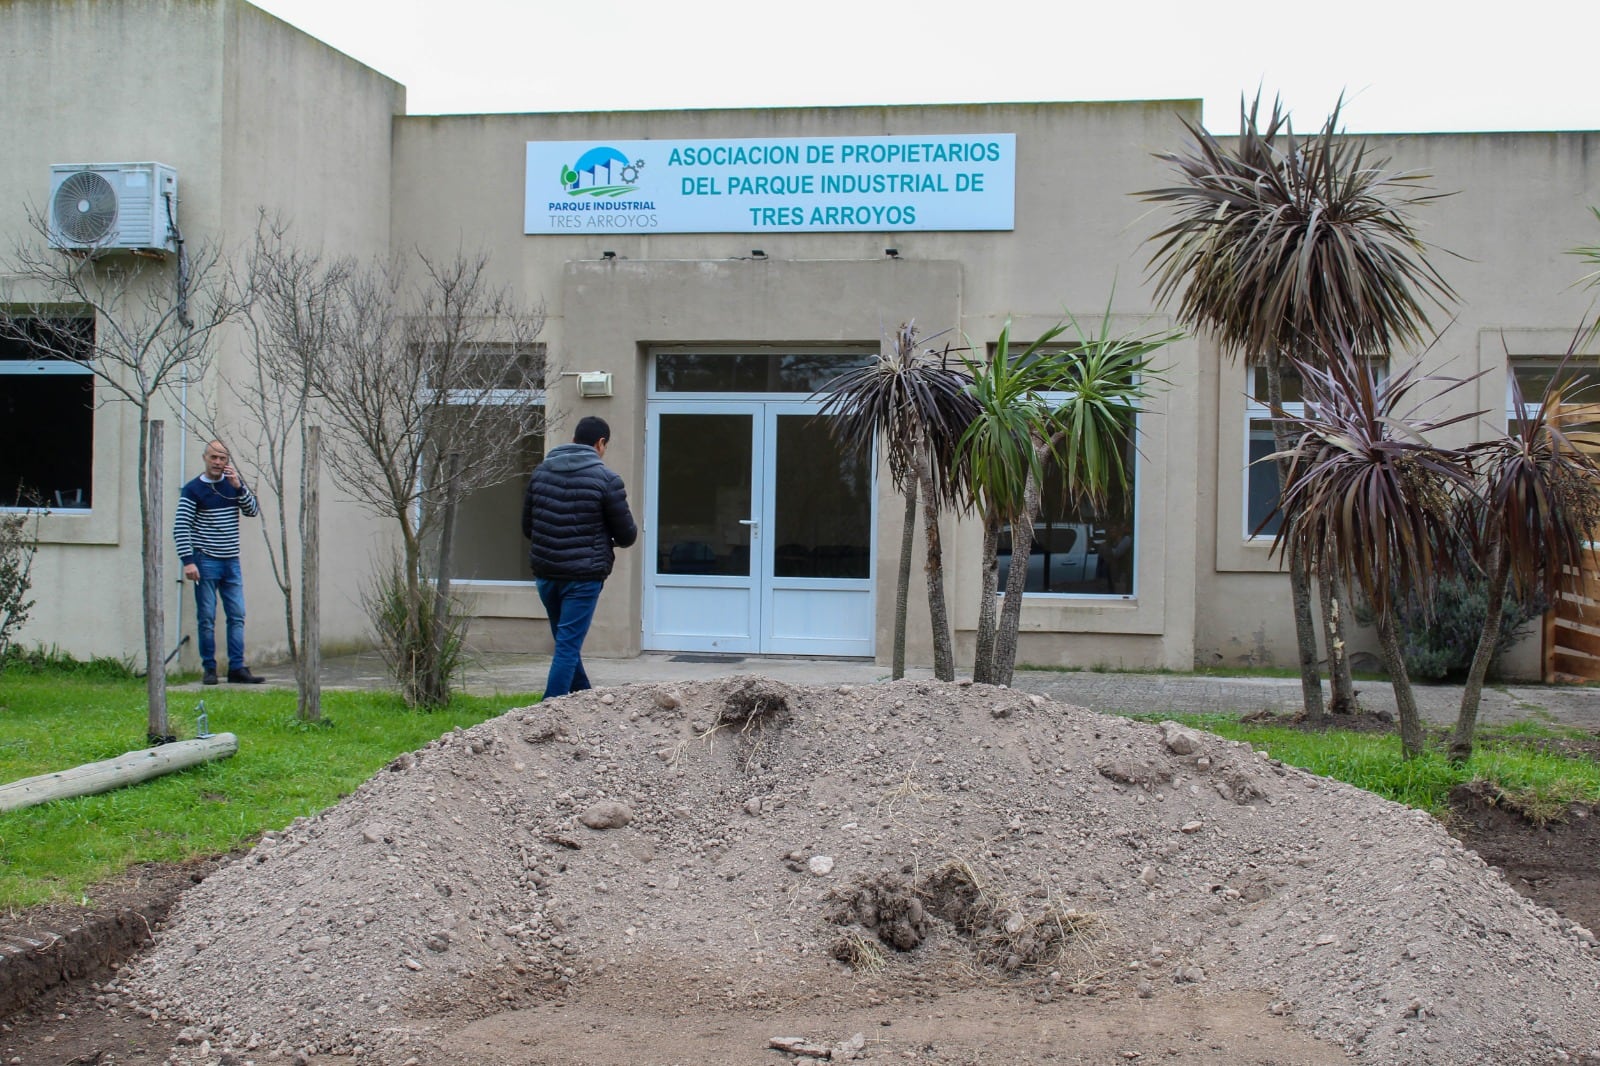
{"points": [[437, 680], [1494, 612], [902, 588], [944, 659], [1005, 645], [983, 664], [1305, 629], [1410, 722], [151, 464], [1333, 613], [308, 664]]}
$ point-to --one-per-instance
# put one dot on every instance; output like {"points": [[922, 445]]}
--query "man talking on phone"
{"points": [[206, 531]]}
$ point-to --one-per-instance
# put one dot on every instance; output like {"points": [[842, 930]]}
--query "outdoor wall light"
{"points": [[757, 253], [608, 255], [892, 253]]}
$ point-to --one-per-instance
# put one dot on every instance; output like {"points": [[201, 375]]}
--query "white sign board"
{"points": [[782, 185]]}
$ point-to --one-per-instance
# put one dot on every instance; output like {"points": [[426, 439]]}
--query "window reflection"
{"points": [[823, 504], [743, 372], [704, 494], [1078, 549]]}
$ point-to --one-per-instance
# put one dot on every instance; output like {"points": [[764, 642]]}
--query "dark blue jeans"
{"points": [[570, 605], [219, 576]]}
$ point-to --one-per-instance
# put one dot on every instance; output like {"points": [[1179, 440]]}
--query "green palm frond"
{"points": [[1075, 403]]}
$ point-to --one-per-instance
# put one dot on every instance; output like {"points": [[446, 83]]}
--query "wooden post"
{"points": [[308, 670], [155, 618], [108, 774]]}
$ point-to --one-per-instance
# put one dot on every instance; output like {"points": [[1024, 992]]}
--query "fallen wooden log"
{"points": [[128, 769]]}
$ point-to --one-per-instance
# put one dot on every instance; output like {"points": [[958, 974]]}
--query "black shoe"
{"points": [[243, 676], [210, 678]]}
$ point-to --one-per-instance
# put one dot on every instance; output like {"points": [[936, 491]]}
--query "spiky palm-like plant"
{"points": [[1076, 405], [915, 400], [1369, 496], [1536, 508], [1286, 247]]}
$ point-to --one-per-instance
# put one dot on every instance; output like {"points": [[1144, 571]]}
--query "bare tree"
{"points": [[424, 390], [296, 302], [154, 320]]}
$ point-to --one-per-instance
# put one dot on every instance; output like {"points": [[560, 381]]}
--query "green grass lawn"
{"points": [[283, 770], [1540, 783]]}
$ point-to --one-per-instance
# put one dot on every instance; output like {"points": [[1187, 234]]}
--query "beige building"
{"points": [[702, 273]]}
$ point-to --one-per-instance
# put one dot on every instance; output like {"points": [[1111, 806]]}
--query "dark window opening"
{"points": [[46, 414]]}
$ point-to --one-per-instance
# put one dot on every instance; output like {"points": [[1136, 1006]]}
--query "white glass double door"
{"points": [[760, 531]]}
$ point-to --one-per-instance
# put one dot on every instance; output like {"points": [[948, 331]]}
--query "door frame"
{"points": [[780, 611]]}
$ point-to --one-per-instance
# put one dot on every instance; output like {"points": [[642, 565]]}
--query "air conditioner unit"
{"points": [[594, 384], [104, 206]]}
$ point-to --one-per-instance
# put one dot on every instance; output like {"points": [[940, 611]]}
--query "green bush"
{"points": [[1438, 640], [17, 549], [424, 653], [52, 660]]}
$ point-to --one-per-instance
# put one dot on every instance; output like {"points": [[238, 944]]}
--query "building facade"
{"points": [[702, 273]]}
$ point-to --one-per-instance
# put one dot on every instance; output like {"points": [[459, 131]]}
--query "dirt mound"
{"points": [[753, 847]]}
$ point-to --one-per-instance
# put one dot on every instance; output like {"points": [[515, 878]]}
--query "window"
{"points": [[1533, 374], [1261, 477], [488, 544], [751, 372], [1079, 550], [47, 414]]}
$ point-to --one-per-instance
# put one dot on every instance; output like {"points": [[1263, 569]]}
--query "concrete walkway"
{"points": [[1115, 692]]}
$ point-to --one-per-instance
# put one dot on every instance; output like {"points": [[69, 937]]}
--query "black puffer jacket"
{"points": [[574, 511]]}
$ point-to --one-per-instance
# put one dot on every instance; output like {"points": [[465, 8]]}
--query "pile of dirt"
{"points": [[743, 846]]}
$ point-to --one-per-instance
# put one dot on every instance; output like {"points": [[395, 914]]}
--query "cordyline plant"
{"points": [[1369, 496], [1286, 248], [1536, 506], [1075, 404], [916, 400]]}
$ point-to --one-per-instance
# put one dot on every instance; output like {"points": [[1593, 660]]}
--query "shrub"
{"points": [[423, 653], [1439, 640], [18, 545]]}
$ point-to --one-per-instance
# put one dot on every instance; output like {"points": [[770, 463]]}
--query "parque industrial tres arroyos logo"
{"points": [[601, 172]]}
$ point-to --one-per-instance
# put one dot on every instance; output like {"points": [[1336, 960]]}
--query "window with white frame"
{"points": [[1079, 549], [1261, 475], [488, 545], [1533, 375], [47, 407], [1261, 517]]}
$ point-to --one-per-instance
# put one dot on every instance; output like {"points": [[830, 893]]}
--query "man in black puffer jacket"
{"points": [[574, 513]]}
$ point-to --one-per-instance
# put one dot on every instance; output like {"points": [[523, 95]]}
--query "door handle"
{"points": [[754, 524]]}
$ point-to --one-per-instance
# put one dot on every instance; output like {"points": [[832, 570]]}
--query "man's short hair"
{"points": [[592, 429]]}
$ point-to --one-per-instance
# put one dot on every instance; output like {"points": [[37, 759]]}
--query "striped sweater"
{"points": [[208, 518]]}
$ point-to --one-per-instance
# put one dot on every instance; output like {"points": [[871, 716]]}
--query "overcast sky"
{"points": [[1404, 65]]}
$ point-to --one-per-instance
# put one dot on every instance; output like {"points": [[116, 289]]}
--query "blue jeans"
{"points": [[570, 605], [219, 576]]}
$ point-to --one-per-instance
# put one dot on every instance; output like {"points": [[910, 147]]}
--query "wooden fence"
{"points": [[1572, 626]]}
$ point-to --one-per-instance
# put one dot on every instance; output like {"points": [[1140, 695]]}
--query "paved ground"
{"points": [[1146, 693]]}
